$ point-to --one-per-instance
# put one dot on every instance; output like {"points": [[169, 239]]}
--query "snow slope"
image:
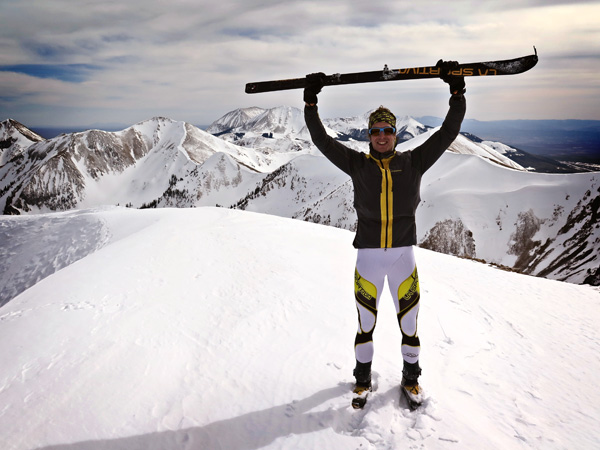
{"points": [[527, 221], [211, 328]]}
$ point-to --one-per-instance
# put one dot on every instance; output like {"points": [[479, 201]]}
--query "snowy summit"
{"points": [[211, 328]]}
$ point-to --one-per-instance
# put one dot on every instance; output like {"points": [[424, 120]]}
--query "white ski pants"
{"points": [[373, 265]]}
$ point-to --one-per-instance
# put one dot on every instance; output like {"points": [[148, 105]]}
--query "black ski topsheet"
{"points": [[490, 68]]}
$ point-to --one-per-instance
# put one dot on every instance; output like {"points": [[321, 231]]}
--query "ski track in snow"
{"points": [[220, 329]]}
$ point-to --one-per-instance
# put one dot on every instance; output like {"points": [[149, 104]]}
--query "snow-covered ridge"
{"points": [[134, 166], [287, 123], [477, 202], [14, 139], [211, 328], [234, 119], [464, 146], [277, 122]]}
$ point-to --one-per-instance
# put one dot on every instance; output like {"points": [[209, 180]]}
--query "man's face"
{"points": [[382, 142]]}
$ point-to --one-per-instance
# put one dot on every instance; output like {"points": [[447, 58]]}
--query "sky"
{"points": [[86, 62]]}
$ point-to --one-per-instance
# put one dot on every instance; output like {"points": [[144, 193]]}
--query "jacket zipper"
{"points": [[387, 201]]}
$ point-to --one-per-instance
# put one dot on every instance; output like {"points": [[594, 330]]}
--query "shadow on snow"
{"points": [[249, 431]]}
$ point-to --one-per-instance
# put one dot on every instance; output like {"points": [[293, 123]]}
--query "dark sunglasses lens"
{"points": [[386, 130]]}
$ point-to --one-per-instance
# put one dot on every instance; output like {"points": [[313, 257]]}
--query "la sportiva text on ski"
{"points": [[489, 68]]}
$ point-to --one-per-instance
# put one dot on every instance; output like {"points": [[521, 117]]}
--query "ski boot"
{"points": [[363, 386], [410, 386]]}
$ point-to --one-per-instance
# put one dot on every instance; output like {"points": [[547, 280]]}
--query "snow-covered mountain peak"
{"points": [[14, 139], [234, 119], [156, 121], [407, 127], [158, 128], [273, 132], [465, 146], [278, 122], [281, 121], [500, 147], [10, 127], [348, 125]]}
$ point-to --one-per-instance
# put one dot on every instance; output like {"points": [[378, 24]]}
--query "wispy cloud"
{"points": [[191, 59]]}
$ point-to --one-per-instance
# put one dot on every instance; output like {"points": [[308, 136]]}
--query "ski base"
{"points": [[476, 69]]}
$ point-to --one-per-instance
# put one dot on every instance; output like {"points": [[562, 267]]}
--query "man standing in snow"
{"points": [[386, 196]]}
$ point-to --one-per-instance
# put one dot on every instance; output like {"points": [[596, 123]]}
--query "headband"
{"points": [[382, 115]]}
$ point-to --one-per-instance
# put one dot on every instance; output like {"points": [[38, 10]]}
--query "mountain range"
{"points": [[478, 201]]}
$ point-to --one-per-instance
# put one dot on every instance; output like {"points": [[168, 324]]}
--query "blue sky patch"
{"points": [[72, 73]]}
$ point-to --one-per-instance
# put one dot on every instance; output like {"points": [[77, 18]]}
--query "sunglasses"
{"points": [[386, 130]]}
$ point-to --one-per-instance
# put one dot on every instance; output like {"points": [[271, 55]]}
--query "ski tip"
{"points": [[359, 402], [535, 56]]}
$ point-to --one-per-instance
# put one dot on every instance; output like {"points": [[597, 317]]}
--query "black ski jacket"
{"points": [[387, 186]]}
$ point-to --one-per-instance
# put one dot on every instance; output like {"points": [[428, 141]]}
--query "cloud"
{"points": [[192, 59]]}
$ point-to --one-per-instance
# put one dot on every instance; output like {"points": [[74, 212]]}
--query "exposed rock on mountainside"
{"points": [[450, 237]]}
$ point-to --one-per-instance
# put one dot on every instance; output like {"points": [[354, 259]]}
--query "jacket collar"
{"points": [[376, 155]]}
